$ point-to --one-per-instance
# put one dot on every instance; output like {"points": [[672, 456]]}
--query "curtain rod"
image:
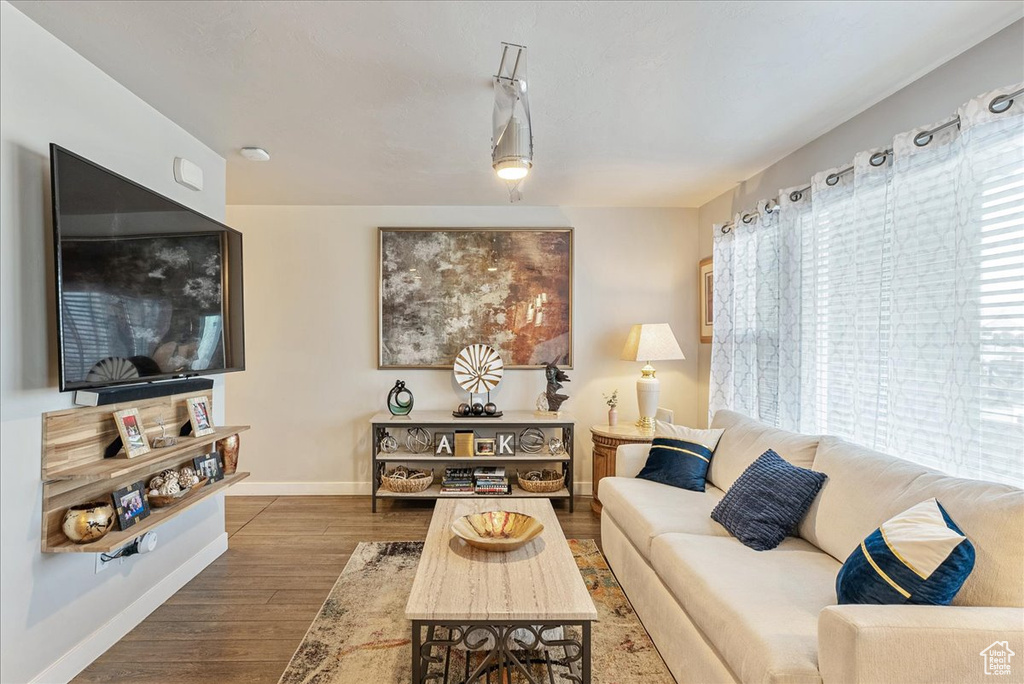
{"points": [[998, 105]]}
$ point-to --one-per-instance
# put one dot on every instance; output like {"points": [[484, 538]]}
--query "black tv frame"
{"points": [[58, 280]]}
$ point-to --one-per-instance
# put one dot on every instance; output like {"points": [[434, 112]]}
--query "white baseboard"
{"points": [[94, 645], [249, 488]]}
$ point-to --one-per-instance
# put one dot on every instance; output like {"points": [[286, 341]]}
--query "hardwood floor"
{"points": [[241, 619]]}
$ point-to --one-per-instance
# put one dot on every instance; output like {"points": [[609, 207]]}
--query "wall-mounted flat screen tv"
{"points": [[147, 289]]}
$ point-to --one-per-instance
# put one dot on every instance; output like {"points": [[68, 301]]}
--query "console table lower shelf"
{"points": [[158, 516]]}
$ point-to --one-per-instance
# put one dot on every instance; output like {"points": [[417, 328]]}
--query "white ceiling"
{"points": [[634, 104]]}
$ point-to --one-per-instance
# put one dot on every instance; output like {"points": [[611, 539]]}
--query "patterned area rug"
{"points": [[361, 634]]}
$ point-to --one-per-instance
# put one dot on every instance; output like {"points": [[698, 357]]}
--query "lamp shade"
{"points": [[651, 342]]}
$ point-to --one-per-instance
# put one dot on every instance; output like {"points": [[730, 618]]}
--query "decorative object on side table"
{"points": [[88, 522], [484, 447], [407, 481], [444, 443], [388, 444], [453, 287], [418, 440], [497, 530], [541, 481], [131, 505], [129, 426], [705, 272], [506, 443], [531, 440], [209, 466], [478, 370], [164, 440], [556, 447], [170, 487], [200, 417], [400, 399], [613, 407], [228, 447], [650, 342], [551, 401]]}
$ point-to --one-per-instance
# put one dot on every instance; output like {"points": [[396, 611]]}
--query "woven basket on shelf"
{"points": [[407, 485], [541, 486]]}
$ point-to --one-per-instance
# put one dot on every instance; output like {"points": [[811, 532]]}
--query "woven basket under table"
{"points": [[541, 486], [411, 485]]}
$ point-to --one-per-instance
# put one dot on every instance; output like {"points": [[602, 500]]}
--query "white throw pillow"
{"points": [[706, 438]]}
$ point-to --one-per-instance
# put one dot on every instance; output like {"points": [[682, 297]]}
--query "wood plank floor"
{"points": [[241, 619]]}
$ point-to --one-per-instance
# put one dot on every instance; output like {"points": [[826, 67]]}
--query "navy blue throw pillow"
{"points": [[677, 463], [768, 501]]}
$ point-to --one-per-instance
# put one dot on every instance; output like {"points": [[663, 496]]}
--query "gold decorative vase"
{"points": [[88, 522], [228, 447]]}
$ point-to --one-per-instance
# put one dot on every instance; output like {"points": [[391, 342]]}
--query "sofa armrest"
{"points": [[630, 459], [879, 644]]}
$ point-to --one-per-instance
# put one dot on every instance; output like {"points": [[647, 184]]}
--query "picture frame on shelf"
{"points": [[484, 447], [444, 443], [505, 443], [209, 466], [131, 505], [705, 281], [200, 415], [133, 435]]}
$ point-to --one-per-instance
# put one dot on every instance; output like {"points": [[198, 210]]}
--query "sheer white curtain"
{"points": [[886, 304]]}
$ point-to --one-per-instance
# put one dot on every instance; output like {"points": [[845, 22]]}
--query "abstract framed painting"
{"points": [[441, 289]]}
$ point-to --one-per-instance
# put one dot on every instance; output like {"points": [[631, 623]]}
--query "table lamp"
{"points": [[650, 342]]}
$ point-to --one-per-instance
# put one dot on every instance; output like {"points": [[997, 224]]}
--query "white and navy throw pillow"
{"points": [[680, 456], [919, 556]]}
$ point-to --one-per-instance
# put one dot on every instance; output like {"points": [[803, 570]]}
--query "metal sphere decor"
{"points": [[400, 399], [531, 440], [556, 447], [465, 409], [388, 444], [478, 369], [490, 409], [478, 409], [418, 440]]}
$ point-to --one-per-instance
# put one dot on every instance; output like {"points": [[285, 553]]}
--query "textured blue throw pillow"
{"points": [[768, 501], [677, 463], [919, 556]]}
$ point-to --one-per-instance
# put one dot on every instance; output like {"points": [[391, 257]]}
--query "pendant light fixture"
{"points": [[512, 138]]}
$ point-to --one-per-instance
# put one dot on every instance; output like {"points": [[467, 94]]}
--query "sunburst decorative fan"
{"points": [[478, 369]]}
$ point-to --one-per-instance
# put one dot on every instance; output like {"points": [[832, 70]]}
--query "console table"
{"points": [[384, 423], [606, 440]]}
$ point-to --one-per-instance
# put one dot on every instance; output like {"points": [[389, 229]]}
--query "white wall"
{"points": [[54, 605], [311, 317], [991, 64]]}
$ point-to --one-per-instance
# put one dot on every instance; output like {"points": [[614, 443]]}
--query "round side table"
{"points": [[606, 440]]}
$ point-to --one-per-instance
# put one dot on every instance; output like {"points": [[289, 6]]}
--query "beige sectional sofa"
{"points": [[721, 612]]}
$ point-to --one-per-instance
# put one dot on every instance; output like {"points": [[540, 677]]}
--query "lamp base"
{"points": [[647, 391], [645, 423]]}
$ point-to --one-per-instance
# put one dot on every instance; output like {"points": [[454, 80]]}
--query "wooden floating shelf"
{"points": [[118, 538], [521, 457], [116, 468], [434, 492]]}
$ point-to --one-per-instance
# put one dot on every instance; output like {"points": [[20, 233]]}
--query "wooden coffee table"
{"points": [[524, 610]]}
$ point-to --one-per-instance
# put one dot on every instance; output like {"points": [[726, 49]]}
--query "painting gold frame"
{"points": [[705, 289], [133, 434], [448, 366]]}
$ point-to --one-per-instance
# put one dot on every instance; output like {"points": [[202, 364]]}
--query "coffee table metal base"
{"points": [[530, 651]]}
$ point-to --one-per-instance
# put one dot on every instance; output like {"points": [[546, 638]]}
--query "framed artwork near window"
{"points": [[705, 286], [442, 289]]}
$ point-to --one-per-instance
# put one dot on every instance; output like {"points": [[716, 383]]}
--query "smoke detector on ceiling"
{"points": [[255, 154]]}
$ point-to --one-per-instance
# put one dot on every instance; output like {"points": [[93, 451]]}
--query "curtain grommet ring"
{"points": [[747, 218], [832, 179], [796, 196], [923, 138], [726, 229], [1000, 104], [878, 158]]}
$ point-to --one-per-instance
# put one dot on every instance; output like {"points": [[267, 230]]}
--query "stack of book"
{"points": [[491, 481], [457, 481]]}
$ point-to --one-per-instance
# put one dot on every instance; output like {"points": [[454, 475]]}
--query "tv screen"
{"points": [[147, 289]]}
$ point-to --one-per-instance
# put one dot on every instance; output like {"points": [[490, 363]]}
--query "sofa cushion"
{"points": [[644, 509], [759, 610], [865, 488], [767, 501], [745, 439], [918, 557]]}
